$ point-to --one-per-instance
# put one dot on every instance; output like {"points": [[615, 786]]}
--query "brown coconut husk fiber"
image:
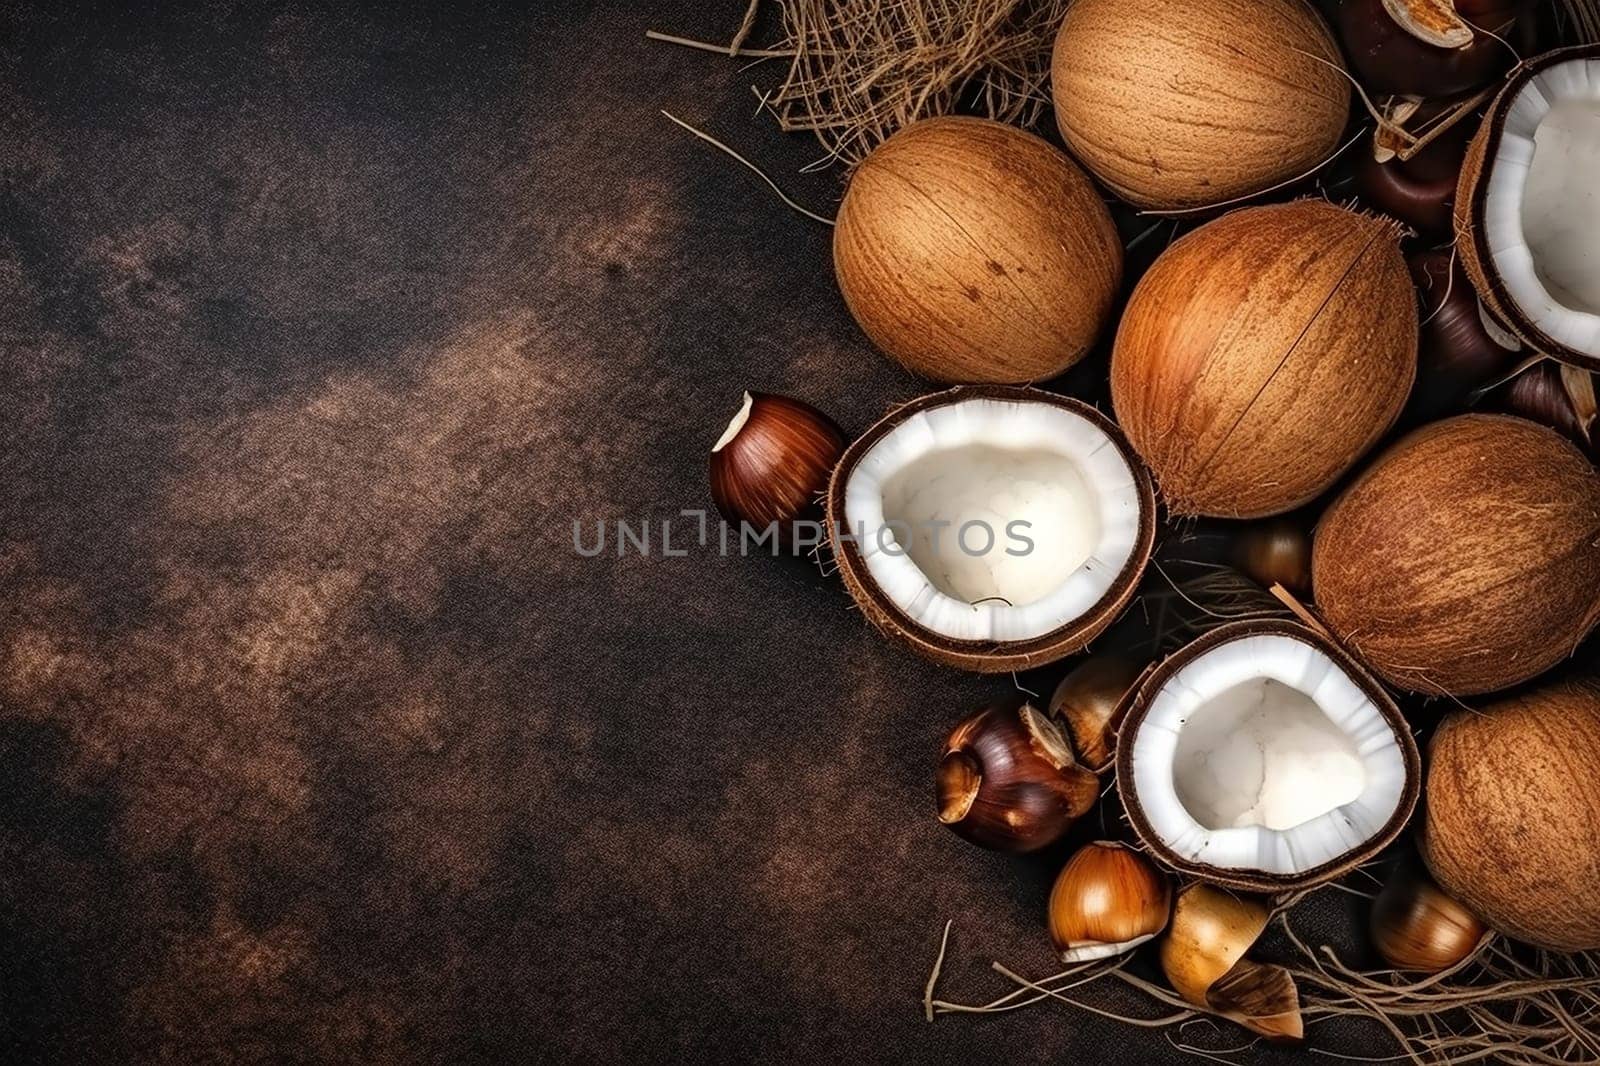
{"points": [[860, 69]]}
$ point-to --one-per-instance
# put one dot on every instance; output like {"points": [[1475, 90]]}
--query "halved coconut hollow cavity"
{"points": [[1528, 206], [992, 528], [1263, 757]]}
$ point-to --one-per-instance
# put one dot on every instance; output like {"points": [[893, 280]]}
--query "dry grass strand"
{"points": [[861, 69]]}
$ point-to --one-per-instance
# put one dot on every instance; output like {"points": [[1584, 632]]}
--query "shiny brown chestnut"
{"points": [[1275, 552], [1420, 191], [1008, 779], [1561, 397], [773, 461], [1427, 48], [1415, 926], [1089, 702], [1457, 354], [1107, 900]]}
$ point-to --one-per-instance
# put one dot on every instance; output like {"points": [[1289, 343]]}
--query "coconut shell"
{"points": [[1472, 242], [971, 251], [1514, 814], [1247, 879], [1262, 354], [1466, 558], [985, 656], [1186, 104]]}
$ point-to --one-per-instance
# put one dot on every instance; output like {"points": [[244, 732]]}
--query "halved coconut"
{"points": [[1527, 213], [992, 528], [1263, 757]]}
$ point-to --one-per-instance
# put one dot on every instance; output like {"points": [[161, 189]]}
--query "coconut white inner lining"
{"points": [[1021, 471], [1542, 204], [1262, 754]]}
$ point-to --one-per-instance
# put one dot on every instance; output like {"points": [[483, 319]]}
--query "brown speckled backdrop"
{"points": [[319, 325]]}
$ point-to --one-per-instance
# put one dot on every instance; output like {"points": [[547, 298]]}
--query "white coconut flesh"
{"points": [[1019, 471], [1542, 203], [1263, 755]]}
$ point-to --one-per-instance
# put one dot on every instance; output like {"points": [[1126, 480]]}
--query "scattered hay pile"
{"points": [[861, 69]]}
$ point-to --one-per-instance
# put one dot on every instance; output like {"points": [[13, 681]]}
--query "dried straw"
{"points": [[1191, 597], [1503, 1004], [861, 69]]}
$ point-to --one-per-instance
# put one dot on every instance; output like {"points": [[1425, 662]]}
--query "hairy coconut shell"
{"points": [[971, 251], [1513, 814], [1185, 104], [1262, 354], [1472, 241], [985, 656], [1466, 558]]}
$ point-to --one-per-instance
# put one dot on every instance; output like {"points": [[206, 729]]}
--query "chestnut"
{"points": [[1427, 48], [1089, 702], [1107, 900], [1008, 779], [1203, 956], [1416, 926], [1457, 354], [1420, 191], [1275, 552], [1558, 396], [773, 461]]}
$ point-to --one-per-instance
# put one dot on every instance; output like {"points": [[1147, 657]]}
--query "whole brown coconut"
{"points": [[1514, 814], [1185, 104], [971, 251], [1263, 353], [1466, 558]]}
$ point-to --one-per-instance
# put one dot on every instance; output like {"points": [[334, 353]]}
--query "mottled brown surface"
{"points": [[318, 327], [1520, 782]]}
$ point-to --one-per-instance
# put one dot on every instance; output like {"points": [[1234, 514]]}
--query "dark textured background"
{"points": [[318, 327]]}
